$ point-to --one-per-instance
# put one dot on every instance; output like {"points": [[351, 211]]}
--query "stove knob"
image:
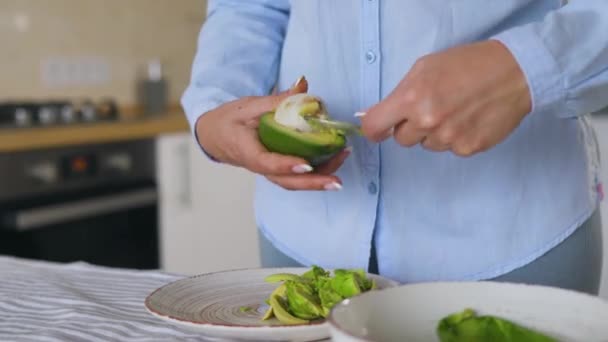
{"points": [[47, 115], [88, 111], [23, 117], [68, 114], [46, 173]]}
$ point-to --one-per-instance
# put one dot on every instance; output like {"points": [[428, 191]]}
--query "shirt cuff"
{"points": [[195, 134], [195, 111], [542, 72]]}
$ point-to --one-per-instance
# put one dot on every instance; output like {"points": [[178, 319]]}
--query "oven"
{"points": [[95, 203]]}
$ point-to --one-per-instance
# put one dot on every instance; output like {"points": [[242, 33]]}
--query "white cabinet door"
{"points": [[600, 124], [177, 234], [223, 215], [206, 210]]}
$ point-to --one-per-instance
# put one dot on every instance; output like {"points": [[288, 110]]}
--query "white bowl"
{"points": [[411, 312]]}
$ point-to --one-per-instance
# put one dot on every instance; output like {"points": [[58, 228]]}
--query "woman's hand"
{"points": [[465, 99], [229, 135]]}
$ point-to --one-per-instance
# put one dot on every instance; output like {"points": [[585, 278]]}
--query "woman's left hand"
{"points": [[465, 99]]}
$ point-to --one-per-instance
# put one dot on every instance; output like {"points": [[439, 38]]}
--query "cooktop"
{"points": [[21, 114]]}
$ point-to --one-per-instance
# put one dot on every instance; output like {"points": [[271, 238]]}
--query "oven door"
{"points": [[109, 226]]}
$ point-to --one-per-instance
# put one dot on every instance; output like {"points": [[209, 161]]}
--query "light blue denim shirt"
{"points": [[436, 216]]}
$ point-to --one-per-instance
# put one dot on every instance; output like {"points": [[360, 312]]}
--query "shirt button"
{"points": [[370, 56], [372, 188]]}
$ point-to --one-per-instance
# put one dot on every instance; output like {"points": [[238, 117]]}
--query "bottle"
{"points": [[152, 90]]}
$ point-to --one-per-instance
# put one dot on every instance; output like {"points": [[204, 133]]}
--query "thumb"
{"points": [[300, 86], [265, 104]]}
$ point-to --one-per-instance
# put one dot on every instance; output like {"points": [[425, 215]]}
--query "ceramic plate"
{"points": [[213, 304], [411, 312]]}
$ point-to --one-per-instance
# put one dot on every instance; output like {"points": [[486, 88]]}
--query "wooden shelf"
{"points": [[13, 140]]}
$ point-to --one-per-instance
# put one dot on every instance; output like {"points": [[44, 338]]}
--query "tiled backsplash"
{"points": [[114, 39]]}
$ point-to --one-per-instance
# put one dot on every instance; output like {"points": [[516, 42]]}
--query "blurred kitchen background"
{"points": [[96, 160]]}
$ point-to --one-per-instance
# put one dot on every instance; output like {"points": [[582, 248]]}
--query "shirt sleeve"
{"points": [[564, 58], [238, 53]]}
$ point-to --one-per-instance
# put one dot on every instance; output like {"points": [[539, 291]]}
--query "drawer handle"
{"points": [[41, 217]]}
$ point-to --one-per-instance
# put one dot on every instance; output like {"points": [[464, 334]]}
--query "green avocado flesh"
{"points": [[308, 297], [466, 326], [316, 147]]}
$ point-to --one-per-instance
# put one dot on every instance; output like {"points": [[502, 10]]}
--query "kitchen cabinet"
{"points": [[206, 210]]}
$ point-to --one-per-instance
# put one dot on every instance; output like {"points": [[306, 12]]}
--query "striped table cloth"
{"points": [[42, 301]]}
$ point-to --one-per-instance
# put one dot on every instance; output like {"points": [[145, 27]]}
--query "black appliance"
{"points": [[95, 203]]}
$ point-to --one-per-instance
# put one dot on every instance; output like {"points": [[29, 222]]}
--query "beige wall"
{"points": [[125, 34]]}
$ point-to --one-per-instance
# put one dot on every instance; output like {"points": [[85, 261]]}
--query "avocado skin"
{"points": [[316, 148]]}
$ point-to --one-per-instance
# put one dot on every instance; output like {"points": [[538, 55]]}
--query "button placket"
{"points": [[370, 62], [370, 56], [372, 188], [370, 77]]}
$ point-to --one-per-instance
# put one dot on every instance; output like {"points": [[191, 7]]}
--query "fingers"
{"points": [[378, 122], [269, 163], [274, 164], [413, 118], [406, 134], [307, 182], [290, 172], [450, 133], [245, 150], [332, 165], [293, 173], [321, 179], [432, 144], [442, 138]]}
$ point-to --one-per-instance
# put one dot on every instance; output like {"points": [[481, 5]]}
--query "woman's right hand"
{"points": [[229, 134]]}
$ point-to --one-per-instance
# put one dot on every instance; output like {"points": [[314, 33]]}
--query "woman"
{"points": [[477, 160]]}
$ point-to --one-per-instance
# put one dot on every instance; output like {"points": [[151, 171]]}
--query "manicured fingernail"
{"points": [[299, 80], [333, 186], [360, 114], [302, 168]]}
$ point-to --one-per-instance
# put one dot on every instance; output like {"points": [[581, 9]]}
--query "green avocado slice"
{"points": [[277, 277], [466, 326], [315, 147], [268, 314], [280, 311], [279, 292], [302, 300]]}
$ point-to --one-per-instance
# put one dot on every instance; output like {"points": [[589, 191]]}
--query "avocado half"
{"points": [[316, 147]]}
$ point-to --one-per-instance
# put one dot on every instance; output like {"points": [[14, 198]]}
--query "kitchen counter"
{"points": [[13, 140]]}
